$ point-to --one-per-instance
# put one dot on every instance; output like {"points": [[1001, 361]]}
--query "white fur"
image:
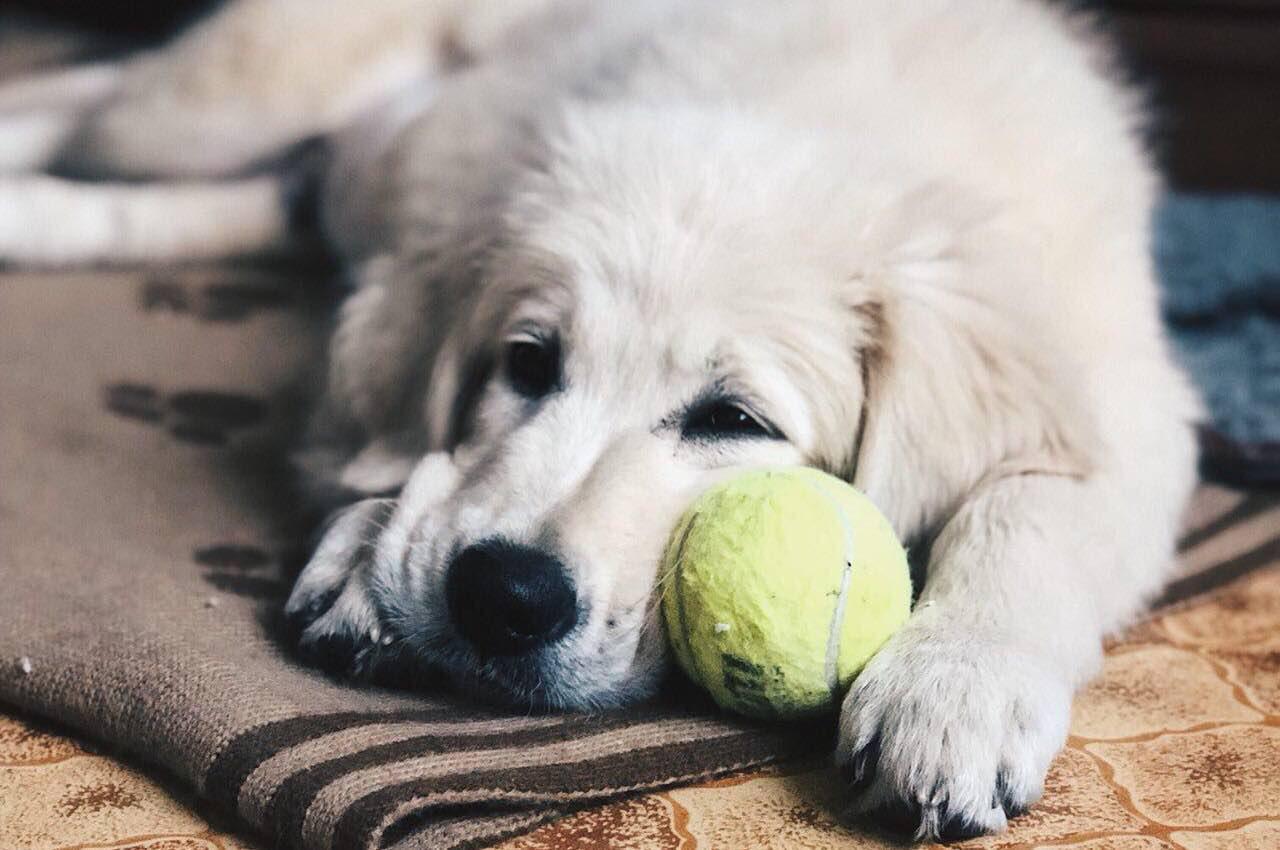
{"points": [[39, 113], [52, 221], [914, 236]]}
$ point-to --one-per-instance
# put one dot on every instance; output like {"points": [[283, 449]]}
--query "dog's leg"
{"points": [[952, 726], [39, 113], [77, 86], [256, 78], [331, 607], [29, 141], [47, 221]]}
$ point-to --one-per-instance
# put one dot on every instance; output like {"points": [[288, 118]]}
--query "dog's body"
{"points": [[604, 254]]}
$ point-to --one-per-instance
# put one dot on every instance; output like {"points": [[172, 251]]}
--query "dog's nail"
{"points": [[860, 771], [901, 817], [1006, 800], [958, 828]]}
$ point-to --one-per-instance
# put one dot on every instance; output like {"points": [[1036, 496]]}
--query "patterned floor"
{"points": [[1175, 747]]}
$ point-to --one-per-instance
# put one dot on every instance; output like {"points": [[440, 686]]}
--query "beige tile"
{"points": [[1243, 616], [1257, 671], [1200, 778], [22, 743], [770, 813], [162, 842], [86, 800], [1112, 842], [1077, 801], [1260, 835], [1151, 689], [643, 823]]}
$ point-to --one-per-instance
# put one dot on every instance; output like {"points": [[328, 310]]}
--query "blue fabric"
{"points": [[1218, 259]]}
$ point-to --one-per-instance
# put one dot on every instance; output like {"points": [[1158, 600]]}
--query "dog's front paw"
{"points": [[945, 735], [331, 609]]}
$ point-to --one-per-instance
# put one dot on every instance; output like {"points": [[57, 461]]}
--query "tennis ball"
{"points": [[779, 585]]}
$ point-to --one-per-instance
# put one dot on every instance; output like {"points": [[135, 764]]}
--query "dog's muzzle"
{"points": [[509, 599]]}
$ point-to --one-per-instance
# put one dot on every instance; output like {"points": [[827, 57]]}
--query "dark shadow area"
{"points": [[141, 19]]}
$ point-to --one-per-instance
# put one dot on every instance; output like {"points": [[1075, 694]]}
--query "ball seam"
{"points": [[832, 661]]}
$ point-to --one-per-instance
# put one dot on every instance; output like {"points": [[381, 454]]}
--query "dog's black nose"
{"points": [[508, 599]]}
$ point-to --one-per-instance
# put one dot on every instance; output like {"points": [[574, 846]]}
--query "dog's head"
{"points": [[661, 303]]}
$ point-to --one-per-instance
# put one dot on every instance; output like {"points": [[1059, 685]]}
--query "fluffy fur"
{"points": [[912, 237]]}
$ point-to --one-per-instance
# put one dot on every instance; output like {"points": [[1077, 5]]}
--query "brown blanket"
{"points": [[144, 545]]}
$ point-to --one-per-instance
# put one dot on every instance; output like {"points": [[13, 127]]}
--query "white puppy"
{"points": [[605, 252]]}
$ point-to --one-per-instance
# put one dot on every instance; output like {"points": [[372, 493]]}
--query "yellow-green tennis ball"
{"points": [[779, 585]]}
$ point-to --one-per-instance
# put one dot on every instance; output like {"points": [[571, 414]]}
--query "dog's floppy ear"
{"points": [[458, 376], [958, 383], [370, 427]]}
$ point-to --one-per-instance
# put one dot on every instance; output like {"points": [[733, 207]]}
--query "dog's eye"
{"points": [[533, 366], [724, 419]]}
